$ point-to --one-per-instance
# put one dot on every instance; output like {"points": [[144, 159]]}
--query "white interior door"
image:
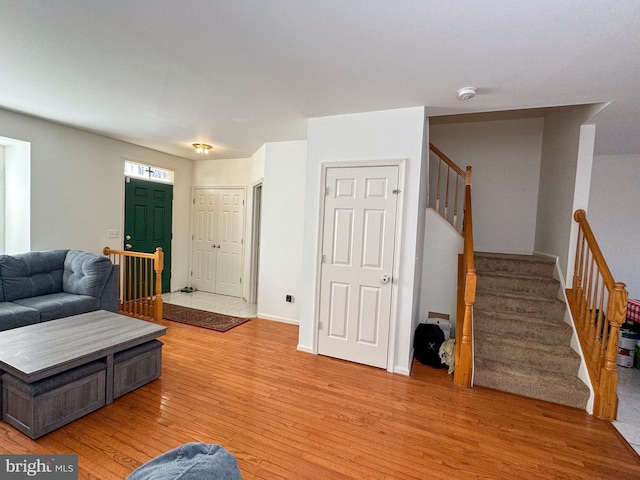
{"points": [[357, 263], [204, 262], [217, 240], [230, 230]]}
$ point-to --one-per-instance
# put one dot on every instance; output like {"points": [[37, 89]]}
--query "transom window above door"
{"points": [[147, 172]]}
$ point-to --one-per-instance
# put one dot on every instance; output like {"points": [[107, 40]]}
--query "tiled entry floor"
{"points": [[211, 302], [628, 422]]}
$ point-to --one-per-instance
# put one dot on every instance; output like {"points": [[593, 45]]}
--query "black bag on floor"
{"points": [[426, 344]]}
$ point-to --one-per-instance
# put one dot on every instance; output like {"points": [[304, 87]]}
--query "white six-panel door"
{"points": [[217, 244], [357, 263]]}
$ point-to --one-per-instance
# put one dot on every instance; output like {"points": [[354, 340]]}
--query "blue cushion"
{"points": [[191, 461], [85, 273], [13, 315], [31, 274], [58, 305]]}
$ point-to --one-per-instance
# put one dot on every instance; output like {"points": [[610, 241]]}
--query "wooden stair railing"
{"points": [[451, 174], [450, 178], [139, 282], [598, 305], [463, 372]]}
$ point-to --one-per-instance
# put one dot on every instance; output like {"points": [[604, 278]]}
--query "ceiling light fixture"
{"points": [[202, 148], [466, 93]]}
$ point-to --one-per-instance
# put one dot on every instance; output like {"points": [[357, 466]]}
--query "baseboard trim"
{"points": [[277, 319], [304, 348]]}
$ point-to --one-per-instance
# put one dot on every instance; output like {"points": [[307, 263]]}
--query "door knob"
{"points": [[385, 279], [128, 246], [128, 237]]}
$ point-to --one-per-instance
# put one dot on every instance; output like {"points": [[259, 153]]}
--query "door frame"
{"points": [[393, 317], [256, 231], [244, 229], [167, 273]]}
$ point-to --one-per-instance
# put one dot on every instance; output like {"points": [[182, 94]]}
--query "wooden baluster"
{"points": [[438, 186], [598, 351], [606, 405], [446, 195], [158, 265]]}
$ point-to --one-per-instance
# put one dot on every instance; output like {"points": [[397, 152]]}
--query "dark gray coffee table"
{"points": [[37, 352]]}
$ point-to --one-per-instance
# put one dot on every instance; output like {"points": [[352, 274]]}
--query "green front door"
{"points": [[147, 220]]}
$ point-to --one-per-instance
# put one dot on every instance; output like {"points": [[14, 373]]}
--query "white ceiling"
{"points": [[167, 73]]}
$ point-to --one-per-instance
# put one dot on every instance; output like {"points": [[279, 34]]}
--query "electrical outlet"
{"points": [[288, 298], [113, 233]]}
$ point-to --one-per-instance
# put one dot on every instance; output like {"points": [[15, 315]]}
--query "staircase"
{"points": [[522, 344]]}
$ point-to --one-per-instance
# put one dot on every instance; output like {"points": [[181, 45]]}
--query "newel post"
{"points": [[158, 265], [606, 400], [463, 371]]}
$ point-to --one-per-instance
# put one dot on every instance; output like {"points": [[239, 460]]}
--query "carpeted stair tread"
{"points": [[537, 320], [519, 303], [526, 353], [509, 282], [521, 341], [535, 265], [524, 327], [552, 386]]}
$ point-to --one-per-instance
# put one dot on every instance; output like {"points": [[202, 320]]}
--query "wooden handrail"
{"points": [[463, 372], [446, 159], [139, 282], [598, 305], [450, 194]]}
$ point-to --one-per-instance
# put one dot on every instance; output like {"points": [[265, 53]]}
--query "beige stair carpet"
{"points": [[522, 343]]}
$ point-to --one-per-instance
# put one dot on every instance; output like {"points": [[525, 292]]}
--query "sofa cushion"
{"points": [[32, 274], [59, 305], [85, 273], [13, 315]]}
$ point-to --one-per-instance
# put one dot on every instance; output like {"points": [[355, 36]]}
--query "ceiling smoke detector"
{"points": [[466, 93]]}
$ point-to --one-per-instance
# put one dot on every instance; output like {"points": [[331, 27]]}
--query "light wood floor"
{"points": [[287, 414]]}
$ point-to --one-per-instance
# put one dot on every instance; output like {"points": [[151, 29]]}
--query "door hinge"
{"points": [[327, 190], [395, 192], [242, 241], [191, 273], [240, 280], [193, 237], [194, 200], [323, 259], [242, 202], [319, 325]]}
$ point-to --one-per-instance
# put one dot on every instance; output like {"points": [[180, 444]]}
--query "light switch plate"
{"points": [[113, 233]]}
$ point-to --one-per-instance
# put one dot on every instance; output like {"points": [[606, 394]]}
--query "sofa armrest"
{"points": [[109, 298]]}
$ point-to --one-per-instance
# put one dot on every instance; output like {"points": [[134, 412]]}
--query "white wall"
{"points": [[385, 135], [505, 157], [442, 245], [17, 201], [219, 173], [282, 230], [558, 169], [77, 187], [280, 167], [614, 201]]}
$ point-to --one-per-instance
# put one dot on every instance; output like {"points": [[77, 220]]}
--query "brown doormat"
{"points": [[201, 318]]}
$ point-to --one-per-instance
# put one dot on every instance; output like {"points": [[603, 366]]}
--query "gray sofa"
{"points": [[41, 286]]}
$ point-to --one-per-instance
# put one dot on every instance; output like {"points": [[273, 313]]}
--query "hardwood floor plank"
{"points": [[286, 414]]}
